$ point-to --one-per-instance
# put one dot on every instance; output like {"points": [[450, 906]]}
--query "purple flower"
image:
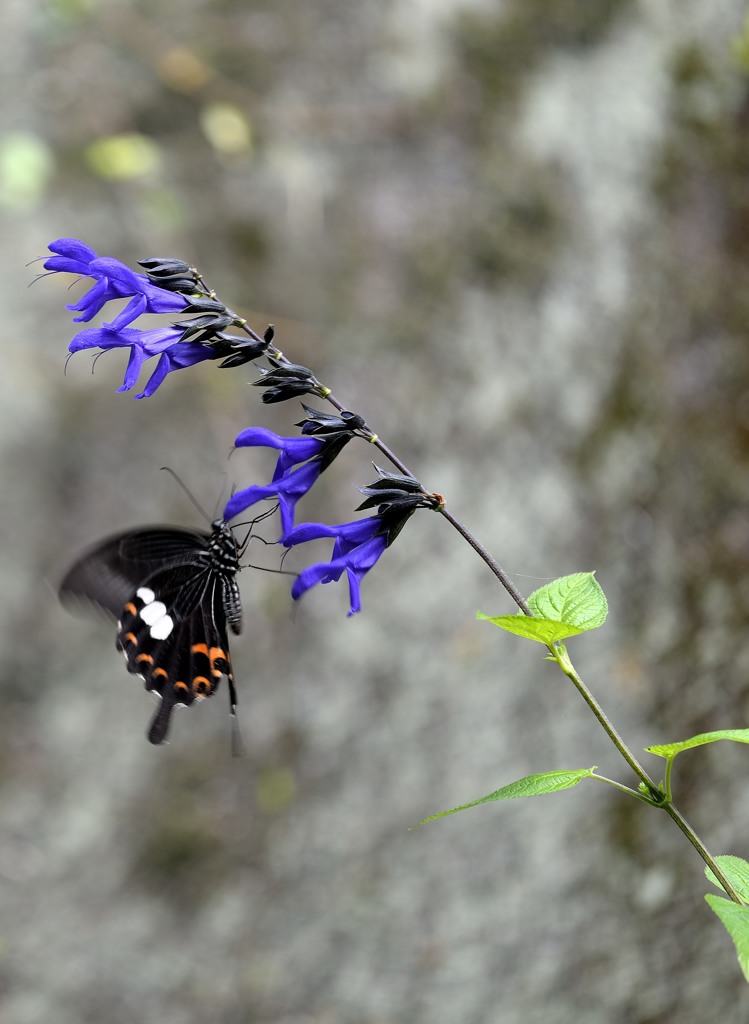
{"points": [[169, 286], [112, 280], [358, 545], [290, 482], [164, 342], [300, 462], [293, 449]]}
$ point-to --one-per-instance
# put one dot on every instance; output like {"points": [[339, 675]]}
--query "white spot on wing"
{"points": [[153, 611], [145, 594], [161, 629]]}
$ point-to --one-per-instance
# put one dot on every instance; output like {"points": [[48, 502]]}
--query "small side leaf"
{"points": [[531, 785], [561, 609], [735, 920], [546, 631], [736, 870], [670, 750]]}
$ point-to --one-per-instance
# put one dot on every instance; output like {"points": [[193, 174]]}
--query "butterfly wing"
{"points": [[108, 574], [177, 643], [170, 600]]}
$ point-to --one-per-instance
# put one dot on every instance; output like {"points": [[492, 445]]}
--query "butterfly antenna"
{"points": [[220, 500], [188, 492]]}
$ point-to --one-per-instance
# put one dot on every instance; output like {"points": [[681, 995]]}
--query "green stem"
{"points": [[624, 789], [657, 798], [562, 659], [667, 778], [700, 847]]}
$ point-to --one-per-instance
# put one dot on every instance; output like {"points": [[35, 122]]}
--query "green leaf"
{"points": [[546, 631], [576, 600], [735, 920], [561, 609], [736, 870], [670, 750], [531, 785]]}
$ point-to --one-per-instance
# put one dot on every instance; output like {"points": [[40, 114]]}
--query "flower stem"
{"points": [[495, 567]]}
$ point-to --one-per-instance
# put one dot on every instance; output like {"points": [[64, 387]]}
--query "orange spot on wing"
{"points": [[144, 657], [181, 687], [200, 685], [131, 638], [130, 607], [158, 672], [219, 654], [200, 649]]}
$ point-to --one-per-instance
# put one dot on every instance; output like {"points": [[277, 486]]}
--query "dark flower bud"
{"points": [[161, 268], [330, 423], [237, 350], [204, 304], [288, 380], [396, 498], [204, 328], [388, 480], [170, 274]]}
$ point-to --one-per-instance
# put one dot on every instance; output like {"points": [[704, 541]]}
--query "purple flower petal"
{"points": [[289, 489], [131, 312], [73, 256], [137, 358], [354, 533], [356, 563], [293, 449], [113, 280]]}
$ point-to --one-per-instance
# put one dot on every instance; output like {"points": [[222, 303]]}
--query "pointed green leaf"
{"points": [[576, 600], [531, 785], [736, 870], [735, 920], [561, 609], [546, 631], [670, 750]]}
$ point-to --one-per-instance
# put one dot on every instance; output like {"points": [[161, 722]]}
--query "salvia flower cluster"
{"points": [[170, 287], [203, 332]]}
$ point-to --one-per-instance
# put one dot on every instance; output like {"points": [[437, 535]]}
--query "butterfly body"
{"points": [[174, 593]]}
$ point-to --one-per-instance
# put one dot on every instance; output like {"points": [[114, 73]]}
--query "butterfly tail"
{"points": [[159, 727]]}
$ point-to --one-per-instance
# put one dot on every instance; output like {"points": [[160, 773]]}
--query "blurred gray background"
{"points": [[515, 236]]}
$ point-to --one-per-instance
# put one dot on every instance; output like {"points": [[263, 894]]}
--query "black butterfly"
{"points": [[173, 593]]}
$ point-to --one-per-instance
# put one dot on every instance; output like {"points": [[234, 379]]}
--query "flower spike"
{"points": [[183, 343]]}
